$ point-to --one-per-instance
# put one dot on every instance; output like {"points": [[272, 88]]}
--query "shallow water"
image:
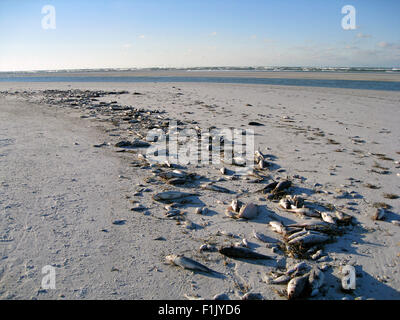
{"points": [[325, 83]]}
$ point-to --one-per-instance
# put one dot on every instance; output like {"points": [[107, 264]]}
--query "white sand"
{"points": [[56, 197]]}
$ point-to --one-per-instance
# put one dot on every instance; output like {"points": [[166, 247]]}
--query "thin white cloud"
{"points": [[142, 36], [213, 34], [127, 45]]}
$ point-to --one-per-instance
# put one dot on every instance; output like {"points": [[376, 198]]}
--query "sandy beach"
{"points": [[70, 198]]}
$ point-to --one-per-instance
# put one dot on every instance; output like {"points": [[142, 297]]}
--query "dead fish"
{"points": [[244, 253], [213, 187], [268, 188], [327, 217], [297, 234], [379, 214], [309, 238], [226, 233], [283, 185], [343, 218], [173, 174], [171, 195], [349, 278], [252, 296], [134, 144], [248, 211], [296, 287], [301, 266], [187, 263], [283, 279], [306, 212], [207, 247], [277, 227], [316, 281]]}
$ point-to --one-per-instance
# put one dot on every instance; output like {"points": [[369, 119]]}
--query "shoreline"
{"points": [[323, 139], [376, 76]]}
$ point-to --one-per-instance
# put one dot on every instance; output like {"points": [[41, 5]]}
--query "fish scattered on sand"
{"points": [[296, 287], [172, 195], [316, 281], [187, 263]]}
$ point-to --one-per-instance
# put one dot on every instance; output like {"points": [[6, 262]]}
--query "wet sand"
{"points": [[339, 148]]}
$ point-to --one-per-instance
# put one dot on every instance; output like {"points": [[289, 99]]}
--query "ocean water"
{"points": [[325, 83]]}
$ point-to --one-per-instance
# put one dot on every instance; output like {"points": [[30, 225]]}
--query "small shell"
{"points": [[235, 205], [198, 211], [223, 171], [248, 211]]}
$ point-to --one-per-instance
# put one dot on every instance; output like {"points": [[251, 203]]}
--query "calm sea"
{"points": [[325, 83]]}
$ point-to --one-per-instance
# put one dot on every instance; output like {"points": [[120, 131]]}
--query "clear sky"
{"points": [[187, 33]]}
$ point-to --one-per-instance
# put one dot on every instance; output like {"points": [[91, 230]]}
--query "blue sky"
{"points": [[177, 33]]}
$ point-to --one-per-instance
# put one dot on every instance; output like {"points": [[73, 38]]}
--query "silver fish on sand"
{"points": [[296, 287], [328, 217], [309, 238], [316, 281], [301, 266], [171, 195], [212, 187], [277, 227], [187, 263], [283, 279]]}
